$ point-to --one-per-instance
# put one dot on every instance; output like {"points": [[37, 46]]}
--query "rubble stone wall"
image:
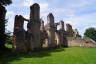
{"points": [[82, 42]]}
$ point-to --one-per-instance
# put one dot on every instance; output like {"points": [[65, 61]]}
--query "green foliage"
{"points": [[8, 45], [91, 33], [2, 31], [71, 55], [8, 38], [5, 2], [3, 22], [4, 36]]}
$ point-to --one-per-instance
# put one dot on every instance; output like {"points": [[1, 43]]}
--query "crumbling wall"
{"points": [[82, 42]]}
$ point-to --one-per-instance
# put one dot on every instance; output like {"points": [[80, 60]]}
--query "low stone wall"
{"points": [[82, 42]]}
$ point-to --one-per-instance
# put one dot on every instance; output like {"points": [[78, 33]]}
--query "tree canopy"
{"points": [[3, 11], [5, 2], [91, 33]]}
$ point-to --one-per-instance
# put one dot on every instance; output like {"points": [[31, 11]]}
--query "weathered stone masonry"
{"points": [[40, 36]]}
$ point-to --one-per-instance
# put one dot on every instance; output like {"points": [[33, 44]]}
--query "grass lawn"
{"points": [[71, 55]]}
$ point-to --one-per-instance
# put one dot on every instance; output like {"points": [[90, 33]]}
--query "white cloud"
{"points": [[10, 18], [66, 12], [44, 7], [79, 3], [81, 31], [10, 24], [82, 22], [71, 22], [28, 2], [10, 13], [26, 16], [44, 10]]}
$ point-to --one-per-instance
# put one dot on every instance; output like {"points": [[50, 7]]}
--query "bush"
{"points": [[91, 33]]}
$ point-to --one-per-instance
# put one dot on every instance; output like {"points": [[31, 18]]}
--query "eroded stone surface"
{"points": [[39, 35], [19, 33], [69, 30], [51, 30], [34, 28]]}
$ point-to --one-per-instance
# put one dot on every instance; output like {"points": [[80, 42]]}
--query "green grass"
{"points": [[71, 55], [8, 45]]}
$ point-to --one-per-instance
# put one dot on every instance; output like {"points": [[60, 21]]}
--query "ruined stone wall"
{"points": [[69, 30], [82, 42], [34, 26], [51, 31], [39, 36], [19, 34]]}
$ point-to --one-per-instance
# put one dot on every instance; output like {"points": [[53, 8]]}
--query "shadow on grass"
{"points": [[9, 56]]}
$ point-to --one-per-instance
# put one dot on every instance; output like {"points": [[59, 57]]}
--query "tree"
{"points": [[5, 2], [3, 11], [91, 33]]}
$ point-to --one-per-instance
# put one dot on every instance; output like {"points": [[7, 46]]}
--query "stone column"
{"points": [[62, 25], [35, 12], [57, 36], [69, 30], [51, 30], [34, 27], [19, 34], [42, 25], [63, 40], [42, 32], [62, 30], [76, 33]]}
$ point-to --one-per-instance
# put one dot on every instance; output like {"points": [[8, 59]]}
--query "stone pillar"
{"points": [[62, 25], [42, 25], [57, 36], [19, 33], [69, 30], [34, 27], [35, 12], [62, 30], [76, 33], [51, 30], [63, 40], [42, 32], [19, 22]]}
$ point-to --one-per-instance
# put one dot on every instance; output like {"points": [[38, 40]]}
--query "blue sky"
{"points": [[81, 14]]}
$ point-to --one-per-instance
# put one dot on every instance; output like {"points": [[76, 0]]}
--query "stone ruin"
{"points": [[40, 36]]}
